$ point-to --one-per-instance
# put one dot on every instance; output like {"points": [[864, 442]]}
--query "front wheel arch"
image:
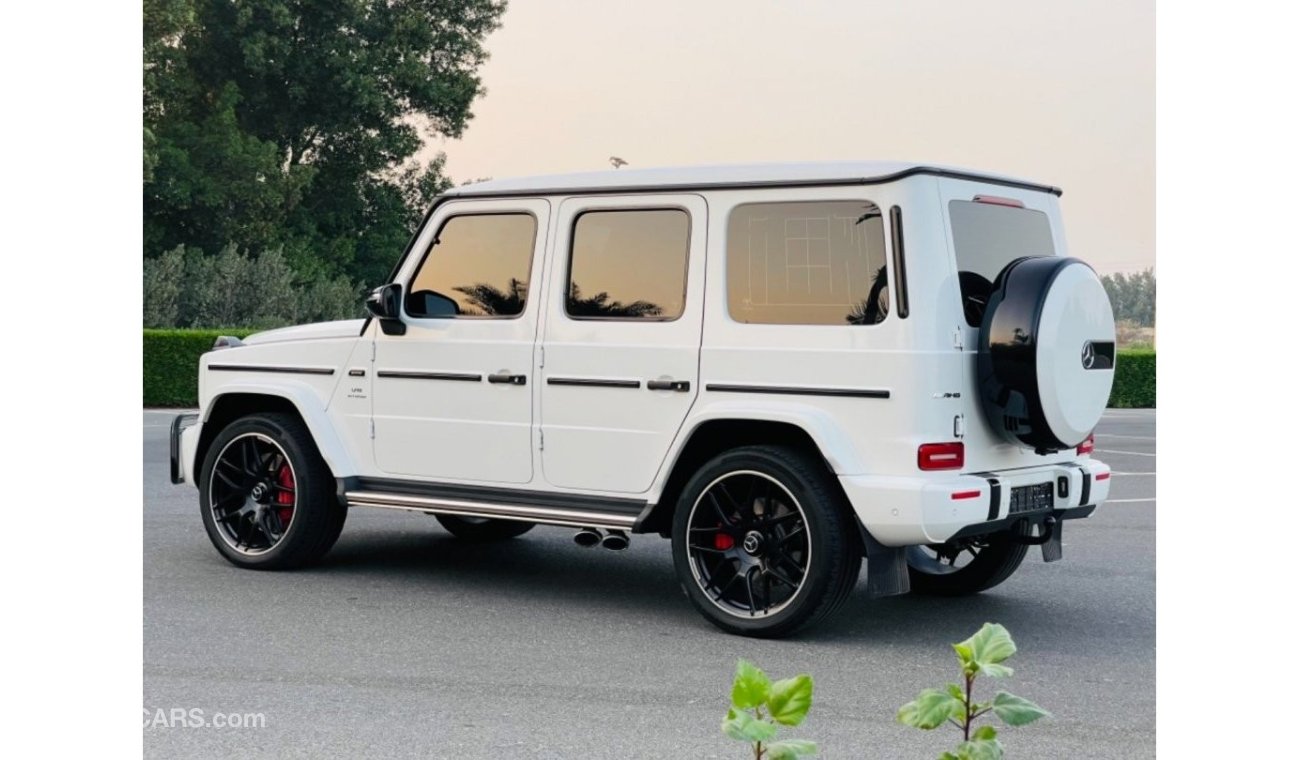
{"points": [[232, 405]]}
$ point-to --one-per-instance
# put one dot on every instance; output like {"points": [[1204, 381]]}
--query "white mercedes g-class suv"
{"points": [[784, 368]]}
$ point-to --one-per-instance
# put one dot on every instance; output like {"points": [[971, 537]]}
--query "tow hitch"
{"points": [[1049, 537]]}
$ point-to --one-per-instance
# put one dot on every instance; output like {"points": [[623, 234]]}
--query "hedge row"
{"points": [[171, 359], [1135, 380], [171, 364]]}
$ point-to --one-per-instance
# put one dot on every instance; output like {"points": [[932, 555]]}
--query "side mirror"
{"points": [[385, 304], [430, 304]]}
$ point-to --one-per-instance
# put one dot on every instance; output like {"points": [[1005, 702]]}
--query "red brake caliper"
{"points": [[284, 499], [721, 541]]}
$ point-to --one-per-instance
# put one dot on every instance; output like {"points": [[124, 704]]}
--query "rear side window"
{"points": [[807, 263], [987, 237], [478, 266], [628, 265]]}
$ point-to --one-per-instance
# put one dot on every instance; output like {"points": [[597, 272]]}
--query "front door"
{"points": [[453, 395], [621, 342]]}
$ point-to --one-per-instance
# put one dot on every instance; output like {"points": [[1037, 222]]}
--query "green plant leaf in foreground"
{"points": [[789, 699], [790, 749], [931, 709], [1016, 711], [742, 726], [982, 652], [751, 687]]}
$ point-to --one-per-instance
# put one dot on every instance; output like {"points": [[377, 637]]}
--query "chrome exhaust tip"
{"points": [[616, 541], [587, 537]]}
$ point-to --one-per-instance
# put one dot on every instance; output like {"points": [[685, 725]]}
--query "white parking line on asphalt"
{"points": [[1131, 473], [1127, 501], [1126, 437], [1114, 451]]}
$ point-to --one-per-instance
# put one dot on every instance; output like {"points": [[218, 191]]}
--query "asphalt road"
{"points": [[406, 643]]}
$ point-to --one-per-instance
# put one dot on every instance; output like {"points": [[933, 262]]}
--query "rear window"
{"points": [[987, 237]]}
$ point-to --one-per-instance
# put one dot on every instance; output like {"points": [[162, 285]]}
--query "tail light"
{"points": [[1085, 447], [994, 200], [941, 456]]}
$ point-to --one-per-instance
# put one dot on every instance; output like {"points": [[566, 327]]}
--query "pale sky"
{"points": [[1061, 92]]}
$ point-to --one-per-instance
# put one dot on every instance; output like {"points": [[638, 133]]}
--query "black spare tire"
{"points": [[1046, 353]]}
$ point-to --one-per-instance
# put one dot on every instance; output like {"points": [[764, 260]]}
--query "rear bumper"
{"points": [[183, 442], [905, 511]]}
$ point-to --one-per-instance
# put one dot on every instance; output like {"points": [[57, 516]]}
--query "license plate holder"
{"points": [[1032, 498]]}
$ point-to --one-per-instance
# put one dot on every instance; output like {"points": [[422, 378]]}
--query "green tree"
{"points": [[1133, 296], [291, 124]]}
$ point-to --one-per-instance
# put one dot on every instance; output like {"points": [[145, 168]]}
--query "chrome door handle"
{"points": [[681, 386], [504, 377]]}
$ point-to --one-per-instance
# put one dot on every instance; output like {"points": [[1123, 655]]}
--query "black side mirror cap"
{"points": [[385, 304]]}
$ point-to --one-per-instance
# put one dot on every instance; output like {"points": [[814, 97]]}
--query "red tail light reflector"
{"points": [[941, 456], [1103, 476], [965, 495], [1085, 447]]}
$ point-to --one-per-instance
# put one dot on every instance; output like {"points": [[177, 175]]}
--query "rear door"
{"points": [[621, 340], [989, 226]]}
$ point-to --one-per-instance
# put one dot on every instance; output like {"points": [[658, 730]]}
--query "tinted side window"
{"points": [[807, 263], [629, 265], [478, 266]]}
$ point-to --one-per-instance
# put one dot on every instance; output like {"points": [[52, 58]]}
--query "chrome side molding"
{"points": [[573, 518]]}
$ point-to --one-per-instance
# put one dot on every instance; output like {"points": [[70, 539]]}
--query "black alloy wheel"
{"points": [[748, 544], [252, 493], [764, 542], [267, 498]]}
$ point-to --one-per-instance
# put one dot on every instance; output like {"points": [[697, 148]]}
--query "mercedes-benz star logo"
{"points": [[752, 542], [1089, 355]]}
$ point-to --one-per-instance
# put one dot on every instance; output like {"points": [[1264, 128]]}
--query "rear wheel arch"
{"points": [[711, 438]]}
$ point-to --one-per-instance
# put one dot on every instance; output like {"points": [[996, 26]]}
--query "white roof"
{"points": [[831, 172]]}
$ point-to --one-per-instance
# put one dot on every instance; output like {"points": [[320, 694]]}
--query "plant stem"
{"points": [[970, 717]]}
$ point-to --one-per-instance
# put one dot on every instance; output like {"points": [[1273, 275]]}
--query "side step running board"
{"points": [[573, 518]]}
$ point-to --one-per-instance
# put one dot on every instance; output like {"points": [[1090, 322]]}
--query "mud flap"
{"points": [[1052, 546], [886, 567]]}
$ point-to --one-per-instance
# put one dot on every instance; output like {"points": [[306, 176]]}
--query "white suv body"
{"points": [[644, 323]]}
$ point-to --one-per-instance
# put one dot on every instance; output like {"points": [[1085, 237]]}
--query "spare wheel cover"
{"points": [[1047, 353]]}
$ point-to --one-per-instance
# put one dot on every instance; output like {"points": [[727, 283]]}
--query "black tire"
{"points": [[317, 516], [995, 559], [830, 548], [483, 529]]}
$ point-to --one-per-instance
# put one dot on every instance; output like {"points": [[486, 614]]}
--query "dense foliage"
{"points": [[291, 126], [1132, 297], [1135, 380], [188, 288], [171, 364]]}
